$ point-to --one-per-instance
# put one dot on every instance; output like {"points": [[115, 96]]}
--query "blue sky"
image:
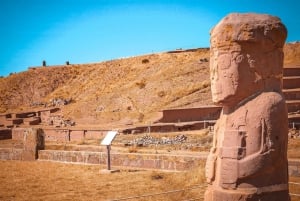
{"points": [[86, 31]]}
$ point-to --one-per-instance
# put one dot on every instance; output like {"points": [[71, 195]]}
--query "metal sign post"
{"points": [[107, 142], [108, 157]]}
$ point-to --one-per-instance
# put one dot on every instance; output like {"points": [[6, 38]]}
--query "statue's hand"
{"points": [[229, 173]]}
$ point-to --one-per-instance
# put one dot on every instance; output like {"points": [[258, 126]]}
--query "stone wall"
{"points": [[95, 134], [18, 133], [32, 121], [294, 167], [46, 114], [10, 154], [60, 135], [32, 140], [66, 135], [3, 117], [190, 114], [134, 160], [24, 114], [77, 135]]}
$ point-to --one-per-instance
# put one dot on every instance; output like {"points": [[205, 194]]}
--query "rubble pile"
{"points": [[293, 133], [59, 121], [148, 140], [55, 102], [58, 102]]}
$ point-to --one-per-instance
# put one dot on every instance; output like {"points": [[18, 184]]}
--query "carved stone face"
{"points": [[246, 57], [231, 76], [223, 77]]}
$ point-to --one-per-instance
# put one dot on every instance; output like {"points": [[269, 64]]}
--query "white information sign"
{"points": [[109, 138]]}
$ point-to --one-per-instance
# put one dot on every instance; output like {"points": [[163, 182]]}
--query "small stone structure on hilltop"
{"points": [[248, 159]]}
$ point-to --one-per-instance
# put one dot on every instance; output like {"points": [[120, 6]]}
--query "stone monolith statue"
{"points": [[248, 159]]}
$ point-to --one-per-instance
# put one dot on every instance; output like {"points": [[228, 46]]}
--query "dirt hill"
{"points": [[128, 90], [23, 89], [292, 54]]}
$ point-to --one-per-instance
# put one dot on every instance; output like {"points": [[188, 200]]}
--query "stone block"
{"points": [[33, 140]]}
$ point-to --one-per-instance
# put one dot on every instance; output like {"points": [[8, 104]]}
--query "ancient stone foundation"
{"points": [[248, 159]]}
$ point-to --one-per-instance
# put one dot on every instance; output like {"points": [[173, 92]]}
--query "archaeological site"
{"points": [[213, 124]]}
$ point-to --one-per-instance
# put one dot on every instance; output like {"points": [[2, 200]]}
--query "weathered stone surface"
{"points": [[10, 154], [248, 160], [33, 140]]}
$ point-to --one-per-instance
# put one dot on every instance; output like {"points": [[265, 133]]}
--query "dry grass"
{"points": [[291, 54], [58, 181]]}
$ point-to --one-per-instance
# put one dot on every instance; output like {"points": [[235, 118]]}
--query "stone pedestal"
{"points": [[254, 195]]}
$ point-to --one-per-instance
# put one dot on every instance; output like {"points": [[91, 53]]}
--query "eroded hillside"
{"points": [[128, 90], [132, 90], [20, 90]]}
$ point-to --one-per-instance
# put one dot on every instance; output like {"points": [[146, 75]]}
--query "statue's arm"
{"points": [[273, 143], [272, 133], [234, 168], [256, 163]]}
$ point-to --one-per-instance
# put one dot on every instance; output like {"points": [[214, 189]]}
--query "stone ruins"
{"points": [[248, 159]]}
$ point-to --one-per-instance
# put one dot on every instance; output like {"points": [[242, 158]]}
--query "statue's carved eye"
{"points": [[224, 61], [239, 59], [251, 61]]}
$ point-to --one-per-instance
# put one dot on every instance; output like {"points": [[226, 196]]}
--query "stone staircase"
{"points": [[291, 91]]}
